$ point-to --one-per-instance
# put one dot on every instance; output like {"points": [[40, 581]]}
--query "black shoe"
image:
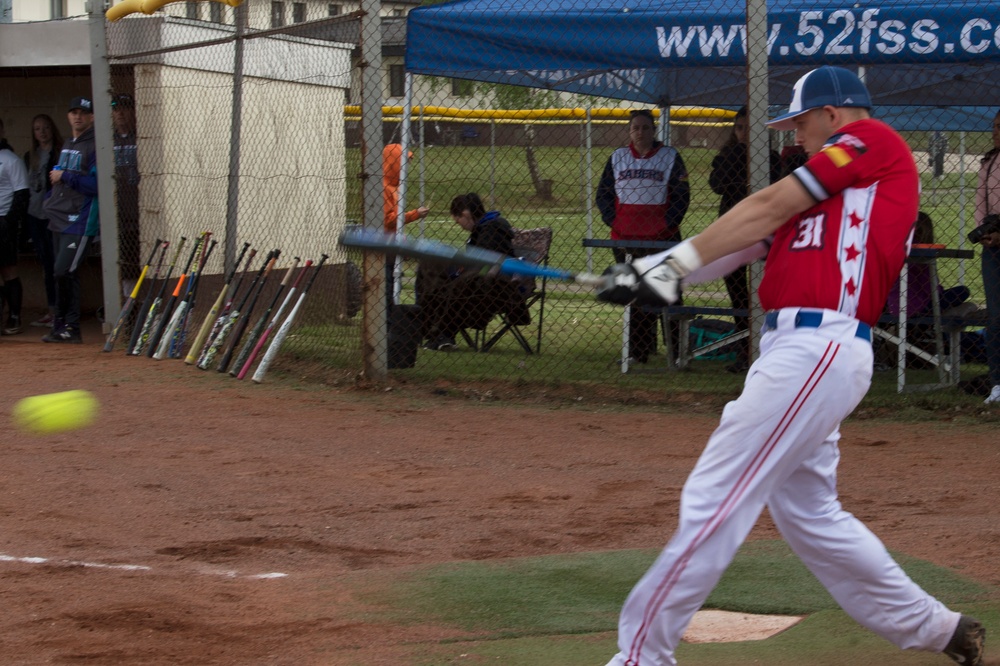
{"points": [[967, 643], [13, 326], [65, 335], [444, 343], [739, 367], [979, 385]]}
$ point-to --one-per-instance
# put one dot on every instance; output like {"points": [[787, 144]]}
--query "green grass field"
{"points": [[563, 610], [581, 339], [501, 177]]}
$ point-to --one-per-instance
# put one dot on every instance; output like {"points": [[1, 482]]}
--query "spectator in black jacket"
{"points": [[13, 204], [730, 178], [451, 298], [988, 212]]}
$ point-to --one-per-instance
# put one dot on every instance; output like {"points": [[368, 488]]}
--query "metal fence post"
{"points": [[374, 343], [235, 131], [100, 86]]}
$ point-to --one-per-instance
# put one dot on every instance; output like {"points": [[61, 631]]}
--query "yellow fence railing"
{"points": [[687, 115]]}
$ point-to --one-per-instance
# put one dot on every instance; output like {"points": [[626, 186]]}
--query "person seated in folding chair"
{"points": [[918, 293], [452, 299], [919, 304]]}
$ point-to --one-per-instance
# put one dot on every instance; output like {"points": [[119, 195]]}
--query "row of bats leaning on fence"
{"points": [[224, 339]]}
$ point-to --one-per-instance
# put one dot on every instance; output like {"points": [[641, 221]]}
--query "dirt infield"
{"points": [[209, 521]]}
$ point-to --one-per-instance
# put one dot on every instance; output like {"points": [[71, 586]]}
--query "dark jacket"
{"points": [[68, 204], [730, 177], [492, 232], [452, 299], [52, 162]]}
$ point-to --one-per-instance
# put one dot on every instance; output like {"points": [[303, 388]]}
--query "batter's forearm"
{"points": [[753, 219], [727, 264]]}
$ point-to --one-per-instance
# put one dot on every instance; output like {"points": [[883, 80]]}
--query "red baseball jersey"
{"points": [[642, 193], [847, 251]]}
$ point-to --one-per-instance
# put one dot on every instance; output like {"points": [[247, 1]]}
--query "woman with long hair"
{"points": [[988, 211], [46, 142]]}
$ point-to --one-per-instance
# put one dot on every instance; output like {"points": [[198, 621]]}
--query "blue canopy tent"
{"points": [[930, 65], [693, 52], [938, 118]]}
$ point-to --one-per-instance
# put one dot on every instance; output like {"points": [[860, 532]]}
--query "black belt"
{"points": [[807, 319]]}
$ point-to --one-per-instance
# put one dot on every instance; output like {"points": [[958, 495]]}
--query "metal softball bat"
{"points": [[471, 257]]}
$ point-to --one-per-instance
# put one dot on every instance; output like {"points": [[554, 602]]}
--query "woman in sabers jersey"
{"points": [[643, 195]]}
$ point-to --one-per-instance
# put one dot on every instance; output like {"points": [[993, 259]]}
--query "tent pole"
{"points": [[404, 168], [589, 187], [961, 204], [423, 169], [493, 164], [758, 96]]}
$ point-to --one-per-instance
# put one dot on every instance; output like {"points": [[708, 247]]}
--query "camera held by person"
{"points": [[990, 225]]}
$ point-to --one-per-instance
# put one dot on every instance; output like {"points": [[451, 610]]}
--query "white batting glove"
{"points": [[652, 280]]}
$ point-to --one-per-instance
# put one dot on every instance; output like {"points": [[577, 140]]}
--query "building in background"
{"points": [[180, 72], [263, 13]]}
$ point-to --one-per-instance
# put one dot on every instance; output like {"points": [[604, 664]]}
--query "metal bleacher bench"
{"points": [[683, 314], [946, 329], [893, 329]]}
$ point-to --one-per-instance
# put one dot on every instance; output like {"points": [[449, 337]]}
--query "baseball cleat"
{"points": [[968, 642]]}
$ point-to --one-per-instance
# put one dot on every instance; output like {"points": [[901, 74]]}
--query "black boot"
{"points": [[13, 293]]}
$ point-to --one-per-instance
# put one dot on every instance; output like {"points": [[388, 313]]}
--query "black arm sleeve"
{"points": [[678, 194], [606, 197], [19, 206]]}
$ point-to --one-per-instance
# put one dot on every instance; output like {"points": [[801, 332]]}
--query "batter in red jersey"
{"points": [[845, 252], [836, 233]]}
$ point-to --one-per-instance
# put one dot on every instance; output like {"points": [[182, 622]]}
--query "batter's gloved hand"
{"points": [[653, 280]]}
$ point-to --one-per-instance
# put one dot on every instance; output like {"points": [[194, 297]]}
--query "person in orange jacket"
{"points": [[392, 164]]}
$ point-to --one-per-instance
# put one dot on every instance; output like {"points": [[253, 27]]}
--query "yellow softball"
{"points": [[55, 412]]}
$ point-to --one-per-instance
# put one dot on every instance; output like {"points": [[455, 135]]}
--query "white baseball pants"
{"points": [[776, 445]]}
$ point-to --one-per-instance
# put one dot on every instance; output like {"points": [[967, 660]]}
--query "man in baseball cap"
{"points": [[835, 233], [823, 86], [68, 208], [122, 101], [82, 103]]}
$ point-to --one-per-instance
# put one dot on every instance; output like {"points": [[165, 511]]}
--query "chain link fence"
{"points": [[258, 132], [238, 132]]}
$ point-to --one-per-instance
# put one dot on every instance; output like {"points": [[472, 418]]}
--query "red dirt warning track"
{"points": [[210, 521]]}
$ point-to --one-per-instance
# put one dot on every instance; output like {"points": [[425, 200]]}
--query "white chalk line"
{"points": [[128, 567]]}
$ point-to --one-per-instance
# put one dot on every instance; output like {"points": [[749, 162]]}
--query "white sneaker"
{"points": [[994, 398], [45, 321]]}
